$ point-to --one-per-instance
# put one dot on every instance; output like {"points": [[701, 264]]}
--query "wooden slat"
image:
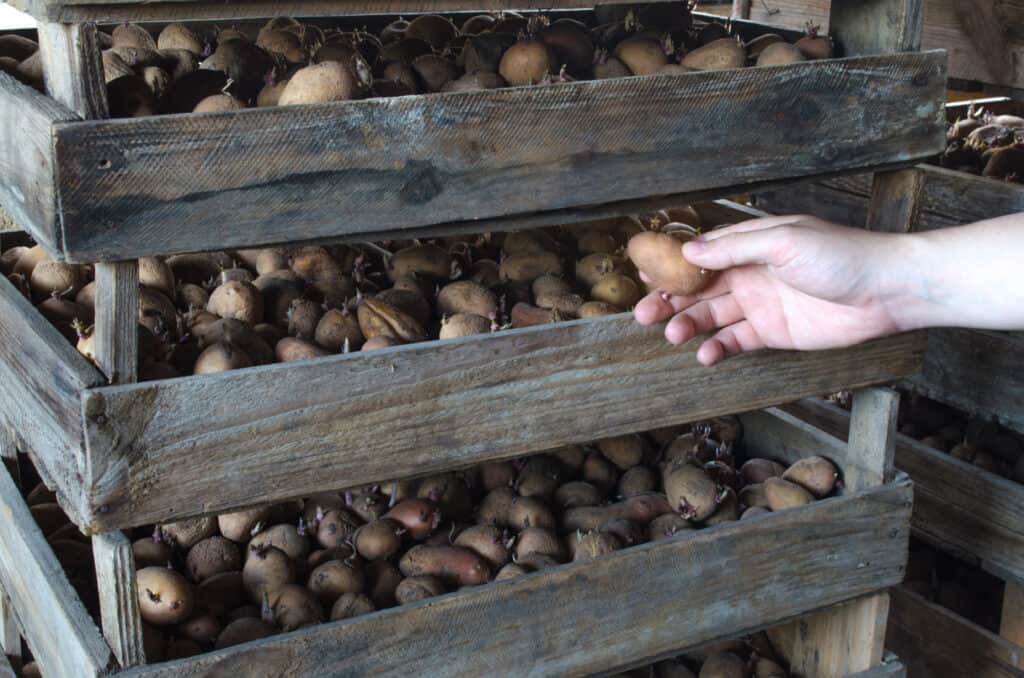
{"points": [[72, 67], [891, 667], [957, 507], [28, 191], [640, 604], [41, 376], [896, 201], [976, 371], [119, 601], [131, 187], [817, 199], [10, 629], [872, 437], [117, 303], [458, 403], [64, 640], [876, 26], [6, 670], [965, 198], [1011, 622], [933, 641]]}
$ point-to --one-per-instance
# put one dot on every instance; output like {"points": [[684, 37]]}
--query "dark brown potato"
{"points": [[211, 556]]}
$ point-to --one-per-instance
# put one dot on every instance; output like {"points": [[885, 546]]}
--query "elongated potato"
{"points": [[454, 565]]}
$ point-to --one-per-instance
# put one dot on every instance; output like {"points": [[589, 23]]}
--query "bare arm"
{"points": [[801, 283]]}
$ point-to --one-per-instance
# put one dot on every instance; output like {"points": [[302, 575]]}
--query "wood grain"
{"points": [[896, 201], [331, 423], [841, 640], [117, 304], [876, 26], [119, 600], [64, 640], [10, 629], [957, 507], [72, 67], [1011, 622], [28, 191], [635, 605], [872, 437], [131, 187], [976, 371], [933, 641], [41, 376]]}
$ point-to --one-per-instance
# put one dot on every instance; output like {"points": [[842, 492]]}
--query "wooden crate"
{"points": [[984, 39], [623, 610]]}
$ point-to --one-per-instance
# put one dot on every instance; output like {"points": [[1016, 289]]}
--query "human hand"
{"points": [[788, 282]]}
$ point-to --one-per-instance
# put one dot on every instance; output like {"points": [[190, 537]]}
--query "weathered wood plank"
{"points": [[639, 604], [28, 191], [10, 629], [119, 601], [957, 507], [72, 67], [976, 371], [41, 376], [459, 402], [896, 201], [131, 187], [1011, 622], [872, 437], [876, 26], [817, 199], [64, 640], [117, 303], [933, 641]]}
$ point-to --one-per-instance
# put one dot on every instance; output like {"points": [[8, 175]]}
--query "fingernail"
{"points": [[665, 296]]}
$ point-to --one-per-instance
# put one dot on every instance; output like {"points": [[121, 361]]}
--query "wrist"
{"points": [[912, 291]]}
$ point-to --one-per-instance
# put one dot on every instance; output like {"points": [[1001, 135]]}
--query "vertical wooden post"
{"points": [[10, 631], [850, 637], [896, 201], [740, 9], [863, 27], [73, 71], [1011, 626], [9, 452]]}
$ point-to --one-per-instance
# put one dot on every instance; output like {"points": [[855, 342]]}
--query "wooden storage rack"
{"points": [[83, 187]]}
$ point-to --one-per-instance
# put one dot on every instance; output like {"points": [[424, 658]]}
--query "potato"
{"points": [[486, 541], [221, 357], [815, 46], [528, 267], [201, 629], [660, 257], [723, 665], [54, 277], [667, 525], [213, 555], [156, 274], [380, 319], [187, 533], [494, 474], [238, 300], [130, 96], [530, 512], [577, 493], [637, 480], [338, 330], [599, 472], [720, 54], [303, 317], [641, 55], [291, 349], [594, 545], [495, 507], [266, 569], [780, 53], [285, 537], [754, 495], [132, 35], [464, 325], [759, 470], [527, 62], [607, 67], [420, 260], [351, 605], [435, 30], [450, 492], [149, 552], [182, 648], [691, 491], [17, 47], [244, 630], [466, 296], [476, 80], [179, 36], [782, 494], [728, 509], [538, 540], [220, 593], [453, 565], [539, 477], [571, 459], [624, 451], [528, 242], [165, 597], [434, 71], [596, 309], [419, 516], [526, 315], [240, 526], [219, 102], [29, 259], [337, 528], [417, 588], [511, 571], [410, 302], [815, 474], [379, 539], [369, 507], [640, 508], [617, 290]]}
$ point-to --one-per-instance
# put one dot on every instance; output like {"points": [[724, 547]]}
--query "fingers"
{"points": [[703, 317], [765, 246], [657, 307], [736, 338]]}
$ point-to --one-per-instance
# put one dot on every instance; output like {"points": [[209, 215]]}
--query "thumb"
{"points": [[740, 249]]}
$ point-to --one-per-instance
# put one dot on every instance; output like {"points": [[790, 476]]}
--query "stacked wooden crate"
{"points": [[109, 191]]}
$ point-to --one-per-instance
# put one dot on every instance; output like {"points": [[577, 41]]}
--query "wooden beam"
{"points": [[117, 324], [29, 192], [1011, 623], [119, 602], [129, 187], [896, 201], [872, 437], [10, 629], [313, 418], [986, 28], [933, 641], [624, 609], [72, 67], [63, 638], [876, 26]]}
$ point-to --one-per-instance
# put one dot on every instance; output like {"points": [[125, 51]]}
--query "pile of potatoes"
{"points": [[217, 581], [986, 144], [203, 68], [212, 312], [983, 444]]}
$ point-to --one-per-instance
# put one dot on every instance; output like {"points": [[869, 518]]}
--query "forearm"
{"points": [[971, 276]]}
